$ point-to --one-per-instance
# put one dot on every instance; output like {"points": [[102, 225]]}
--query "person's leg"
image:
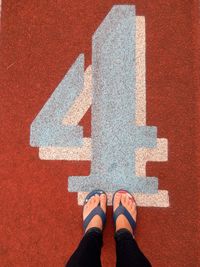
{"points": [[88, 253], [128, 252]]}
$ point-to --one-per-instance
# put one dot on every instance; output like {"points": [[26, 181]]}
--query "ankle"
{"points": [[123, 233], [94, 229]]}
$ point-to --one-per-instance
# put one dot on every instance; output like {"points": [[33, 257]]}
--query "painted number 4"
{"points": [[114, 86]]}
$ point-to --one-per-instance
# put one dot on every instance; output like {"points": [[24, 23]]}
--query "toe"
{"points": [[92, 200], [123, 199], [96, 199], [133, 205], [117, 200], [86, 206], [129, 201], [103, 201], [89, 202]]}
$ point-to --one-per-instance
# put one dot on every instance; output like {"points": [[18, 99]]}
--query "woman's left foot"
{"points": [[92, 203]]}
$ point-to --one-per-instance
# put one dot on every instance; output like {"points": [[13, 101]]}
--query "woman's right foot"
{"points": [[128, 202], [92, 203]]}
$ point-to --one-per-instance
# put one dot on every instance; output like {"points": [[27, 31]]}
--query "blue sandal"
{"points": [[122, 210], [96, 211]]}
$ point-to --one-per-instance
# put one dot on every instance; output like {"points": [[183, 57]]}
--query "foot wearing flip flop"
{"points": [[92, 203], [128, 202]]}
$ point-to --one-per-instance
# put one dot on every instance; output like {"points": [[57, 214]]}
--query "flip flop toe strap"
{"points": [[96, 211], [122, 210]]}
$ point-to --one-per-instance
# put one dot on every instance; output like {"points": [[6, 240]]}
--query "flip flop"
{"points": [[122, 210], [96, 211]]}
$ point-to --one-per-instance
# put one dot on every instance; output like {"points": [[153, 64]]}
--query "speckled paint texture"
{"points": [[47, 128], [83, 102], [40, 221]]}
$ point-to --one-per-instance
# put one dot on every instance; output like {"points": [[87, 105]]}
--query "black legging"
{"points": [[88, 253]]}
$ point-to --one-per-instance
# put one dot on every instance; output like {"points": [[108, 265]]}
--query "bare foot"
{"points": [[130, 205], [92, 203]]}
